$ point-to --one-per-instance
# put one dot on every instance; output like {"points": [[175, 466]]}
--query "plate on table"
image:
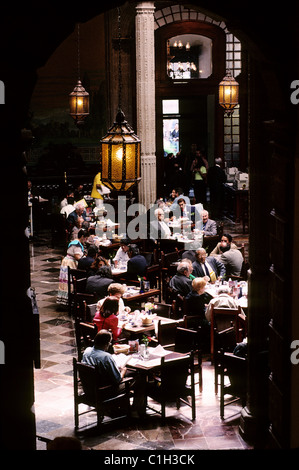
{"points": [[121, 348]]}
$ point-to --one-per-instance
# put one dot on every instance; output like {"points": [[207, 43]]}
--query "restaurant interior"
{"points": [[136, 91]]}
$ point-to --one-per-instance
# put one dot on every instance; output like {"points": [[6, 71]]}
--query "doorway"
{"points": [[184, 122]]}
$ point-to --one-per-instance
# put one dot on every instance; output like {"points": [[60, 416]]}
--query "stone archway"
{"points": [[21, 57]]}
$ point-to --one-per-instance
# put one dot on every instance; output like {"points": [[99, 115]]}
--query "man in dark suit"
{"points": [[207, 266], [181, 282], [99, 283], [137, 263]]}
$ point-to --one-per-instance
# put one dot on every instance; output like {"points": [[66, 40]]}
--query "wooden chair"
{"points": [[79, 305], [167, 270], [166, 333], [85, 333], [224, 340], [90, 310], [162, 310], [171, 385], [187, 340], [153, 275], [112, 402], [178, 305], [73, 274], [235, 369], [223, 318]]}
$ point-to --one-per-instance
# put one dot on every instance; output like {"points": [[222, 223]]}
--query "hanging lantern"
{"points": [[228, 93], [79, 103], [79, 98], [120, 148]]}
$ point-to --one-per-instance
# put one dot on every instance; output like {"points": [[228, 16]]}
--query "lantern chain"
{"points": [[119, 62]]}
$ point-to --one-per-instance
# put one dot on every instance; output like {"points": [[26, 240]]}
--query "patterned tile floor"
{"points": [[54, 385]]}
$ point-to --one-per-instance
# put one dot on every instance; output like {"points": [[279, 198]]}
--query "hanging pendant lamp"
{"points": [[79, 98], [228, 93], [120, 148]]}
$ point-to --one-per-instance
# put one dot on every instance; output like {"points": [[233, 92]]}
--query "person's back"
{"points": [[181, 284], [232, 260], [98, 357], [100, 282], [137, 263]]}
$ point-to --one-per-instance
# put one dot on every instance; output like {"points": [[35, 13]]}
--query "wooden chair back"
{"points": [[171, 385]]}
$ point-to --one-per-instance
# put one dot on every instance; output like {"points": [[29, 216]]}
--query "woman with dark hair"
{"points": [[199, 173], [75, 251], [106, 317], [96, 265]]}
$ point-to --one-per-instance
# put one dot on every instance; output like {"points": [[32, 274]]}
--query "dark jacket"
{"points": [[218, 268], [85, 262], [136, 267], [99, 285], [196, 305], [181, 284]]}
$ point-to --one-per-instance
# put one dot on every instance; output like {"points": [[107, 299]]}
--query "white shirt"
{"points": [[67, 209], [121, 256], [222, 300], [165, 230]]}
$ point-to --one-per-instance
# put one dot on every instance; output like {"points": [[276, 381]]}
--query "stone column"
{"points": [[145, 97]]}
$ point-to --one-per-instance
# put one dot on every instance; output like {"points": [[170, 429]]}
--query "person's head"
{"points": [[225, 242], [223, 289], [104, 271], [116, 290], [102, 340], [201, 255], [184, 268], [204, 216], [125, 245], [92, 251], [79, 208], [82, 234], [218, 161], [199, 285], [174, 193], [159, 214], [133, 250], [98, 263], [109, 307], [182, 203], [226, 238], [64, 443]]}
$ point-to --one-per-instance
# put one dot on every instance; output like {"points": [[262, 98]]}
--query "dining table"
{"points": [[136, 361], [136, 328], [133, 295]]}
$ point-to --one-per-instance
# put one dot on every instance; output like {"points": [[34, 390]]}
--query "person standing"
{"points": [[97, 190], [75, 252], [216, 178], [199, 173]]}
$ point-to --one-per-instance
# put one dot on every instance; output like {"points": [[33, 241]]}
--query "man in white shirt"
{"points": [[224, 300], [122, 256], [158, 228]]}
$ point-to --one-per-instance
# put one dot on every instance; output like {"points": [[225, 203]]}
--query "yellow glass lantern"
{"points": [[120, 148], [228, 93], [79, 103]]}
